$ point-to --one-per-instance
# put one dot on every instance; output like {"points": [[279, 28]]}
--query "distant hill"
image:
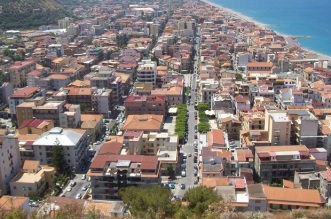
{"points": [[21, 14]]}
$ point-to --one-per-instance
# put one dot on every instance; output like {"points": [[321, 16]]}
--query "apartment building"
{"points": [[41, 109], [70, 117], [33, 178], [10, 162], [92, 124], [253, 121], [147, 71], [110, 173], [259, 67], [275, 163], [102, 101], [22, 94], [18, 71], [173, 90], [325, 183], [304, 128], [6, 90], [145, 104], [74, 142], [278, 124], [81, 96], [208, 88]]}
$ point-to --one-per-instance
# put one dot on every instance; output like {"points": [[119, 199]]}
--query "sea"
{"points": [[310, 18]]}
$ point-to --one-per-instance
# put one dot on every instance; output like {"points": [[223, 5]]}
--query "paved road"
{"points": [[188, 147], [77, 189]]}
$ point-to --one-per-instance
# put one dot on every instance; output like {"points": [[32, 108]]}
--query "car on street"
{"points": [[195, 172], [69, 189], [84, 188], [78, 196], [72, 184], [189, 155], [183, 174], [83, 177], [172, 185], [195, 136], [33, 203], [182, 186], [184, 160]]}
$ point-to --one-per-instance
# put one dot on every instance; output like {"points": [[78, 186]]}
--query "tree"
{"points": [[58, 159], [170, 171], [16, 213], [72, 211], [148, 202], [239, 77], [200, 198]]}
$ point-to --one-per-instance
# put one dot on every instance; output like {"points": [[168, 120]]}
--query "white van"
{"points": [[183, 174]]}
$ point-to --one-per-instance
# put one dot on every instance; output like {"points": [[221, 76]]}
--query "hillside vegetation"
{"points": [[22, 14]]}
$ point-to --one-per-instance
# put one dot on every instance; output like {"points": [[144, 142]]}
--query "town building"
{"points": [[33, 178], [274, 163], [74, 142], [10, 162], [135, 105]]}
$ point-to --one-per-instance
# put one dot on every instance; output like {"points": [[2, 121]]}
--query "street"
{"points": [[188, 148], [77, 189]]}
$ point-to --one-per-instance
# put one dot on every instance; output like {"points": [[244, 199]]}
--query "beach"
{"points": [[262, 25]]}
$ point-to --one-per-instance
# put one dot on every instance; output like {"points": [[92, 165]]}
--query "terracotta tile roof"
{"points": [[90, 117], [281, 148], [132, 134], [217, 137], [212, 182], [259, 64], [241, 99], [7, 203], [299, 197], [30, 164], [35, 123], [26, 92], [79, 83], [288, 184], [78, 91], [145, 122], [110, 148], [326, 175], [58, 76]]}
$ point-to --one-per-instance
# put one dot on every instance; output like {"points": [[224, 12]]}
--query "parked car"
{"points": [[183, 174], [72, 184], [182, 186], [78, 196], [83, 177], [84, 188], [69, 189]]}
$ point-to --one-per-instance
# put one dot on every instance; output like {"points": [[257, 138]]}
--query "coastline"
{"points": [[263, 26]]}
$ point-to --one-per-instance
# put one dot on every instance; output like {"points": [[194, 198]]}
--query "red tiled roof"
{"points": [[31, 123], [110, 148], [132, 134], [326, 175], [25, 92]]}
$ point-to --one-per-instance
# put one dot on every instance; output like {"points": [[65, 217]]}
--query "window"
{"points": [[30, 189], [257, 201], [14, 187], [41, 154]]}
